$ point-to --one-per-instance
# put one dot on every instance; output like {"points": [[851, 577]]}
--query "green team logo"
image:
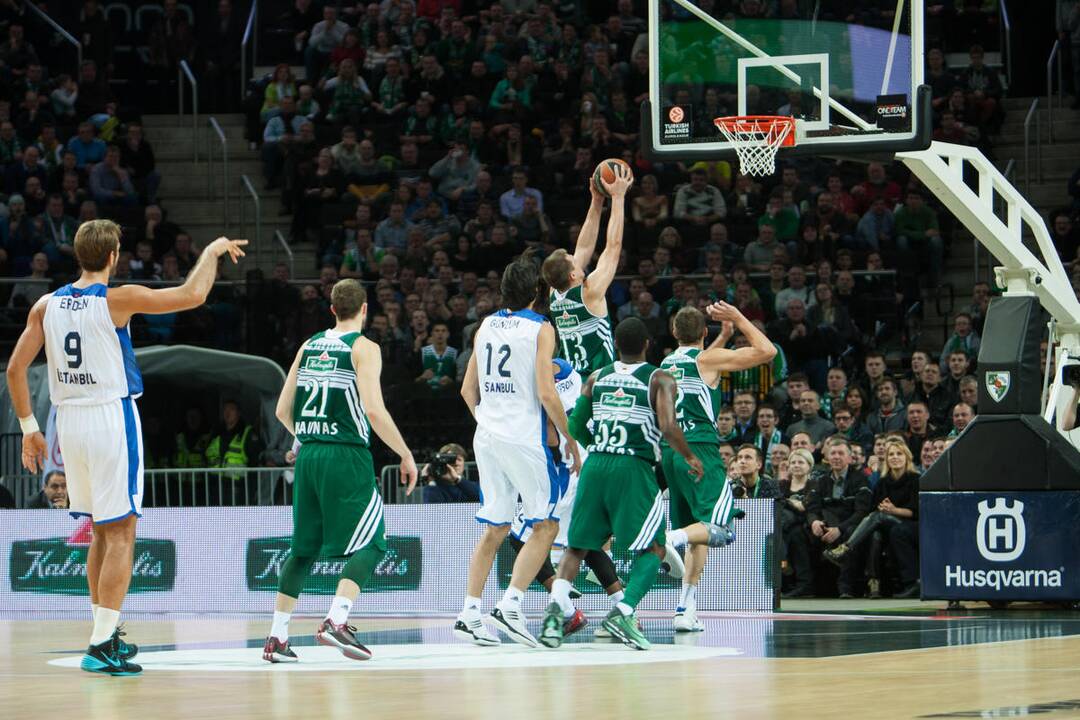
{"points": [[54, 567], [623, 559], [618, 399], [322, 363], [400, 569], [566, 321], [997, 384]]}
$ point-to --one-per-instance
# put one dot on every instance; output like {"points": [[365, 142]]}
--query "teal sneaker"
{"points": [[125, 650], [105, 659], [625, 629], [551, 635]]}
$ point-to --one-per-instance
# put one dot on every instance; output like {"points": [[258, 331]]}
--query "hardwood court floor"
{"points": [[903, 663]]}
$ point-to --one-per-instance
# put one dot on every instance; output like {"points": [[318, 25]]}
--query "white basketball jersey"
{"points": [[91, 361], [569, 389], [505, 349]]}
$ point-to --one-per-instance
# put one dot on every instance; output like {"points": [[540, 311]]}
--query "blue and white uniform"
{"points": [[93, 382], [511, 453], [568, 385]]}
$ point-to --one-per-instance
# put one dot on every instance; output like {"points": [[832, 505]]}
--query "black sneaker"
{"points": [[125, 650], [105, 659], [342, 638], [275, 651]]}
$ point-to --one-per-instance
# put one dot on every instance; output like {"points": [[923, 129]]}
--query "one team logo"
{"points": [[1000, 533], [997, 384]]}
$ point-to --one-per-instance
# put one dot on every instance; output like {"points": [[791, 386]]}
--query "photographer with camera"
{"points": [[746, 473], [837, 504], [444, 478], [1070, 375]]}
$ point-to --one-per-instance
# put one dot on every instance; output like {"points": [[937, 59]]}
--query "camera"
{"points": [[1070, 375], [440, 466], [738, 490]]}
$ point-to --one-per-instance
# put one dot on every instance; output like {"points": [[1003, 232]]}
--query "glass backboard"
{"points": [[850, 73]]}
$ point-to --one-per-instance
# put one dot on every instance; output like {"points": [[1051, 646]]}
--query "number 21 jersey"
{"points": [[505, 351], [327, 406], [91, 361]]}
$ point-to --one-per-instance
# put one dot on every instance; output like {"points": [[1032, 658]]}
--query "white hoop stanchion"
{"points": [[756, 139]]}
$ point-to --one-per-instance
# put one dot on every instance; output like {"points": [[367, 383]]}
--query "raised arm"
{"points": [[549, 396], [26, 349], [127, 300], [368, 363], [663, 389], [284, 409], [599, 280], [590, 229], [719, 359]]}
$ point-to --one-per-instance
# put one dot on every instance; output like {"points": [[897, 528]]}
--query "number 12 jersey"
{"points": [[505, 349]]}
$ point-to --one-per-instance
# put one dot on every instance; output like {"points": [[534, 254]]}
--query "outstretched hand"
{"points": [[623, 180], [34, 451], [408, 474], [224, 245], [723, 312]]}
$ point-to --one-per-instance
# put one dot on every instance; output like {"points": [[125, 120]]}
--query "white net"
{"points": [[756, 140]]}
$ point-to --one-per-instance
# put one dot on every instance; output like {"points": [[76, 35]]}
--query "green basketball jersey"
{"points": [[697, 404], [587, 341], [623, 416], [444, 365], [327, 406]]}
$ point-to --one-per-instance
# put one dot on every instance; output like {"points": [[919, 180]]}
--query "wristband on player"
{"points": [[29, 425]]}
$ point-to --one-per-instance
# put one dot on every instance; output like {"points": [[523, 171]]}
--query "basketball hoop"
{"points": [[756, 139]]}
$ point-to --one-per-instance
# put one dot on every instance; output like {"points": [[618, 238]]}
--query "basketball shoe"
{"points": [[686, 621], [275, 651], [472, 629], [126, 650], [342, 638], [105, 659], [625, 629], [553, 631], [672, 563], [511, 621]]}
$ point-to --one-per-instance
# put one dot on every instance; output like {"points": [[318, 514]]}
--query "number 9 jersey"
{"points": [[91, 361]]}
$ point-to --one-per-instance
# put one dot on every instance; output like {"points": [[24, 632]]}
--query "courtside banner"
{"points": [[229, 560], [1000, 546]]}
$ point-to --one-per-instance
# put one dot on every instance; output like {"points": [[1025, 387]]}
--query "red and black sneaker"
{"points": [[275, 651], [342, 638], [574, 623]]}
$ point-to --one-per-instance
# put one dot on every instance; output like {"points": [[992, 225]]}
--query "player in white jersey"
{"points": [[93, 382], [510, 390]]}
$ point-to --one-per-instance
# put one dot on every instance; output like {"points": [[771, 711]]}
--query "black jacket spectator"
{"points": [[840, 504]]}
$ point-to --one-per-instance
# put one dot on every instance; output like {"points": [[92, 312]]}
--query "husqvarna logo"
{"points": [[1000, 532]]}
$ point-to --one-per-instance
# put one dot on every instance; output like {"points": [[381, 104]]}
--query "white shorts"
{"points": [[509, 471], [103, 459], [563, 509]]}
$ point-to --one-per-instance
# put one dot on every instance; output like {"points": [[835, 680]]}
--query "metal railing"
{"points": [[251, 35], [1053, 62], [68, 37], [1032, 116], [210, 184], [1006, 44], [280, 242], [184, 70], [393, 492], [255, 243]]}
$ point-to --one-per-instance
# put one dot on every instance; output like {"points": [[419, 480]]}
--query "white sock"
{"points": [[93, 611], [688, 597], [624, 608], [471, 606], [339, 610], [105, 621], [560, 593], [280, 627], [556, 555], [677, 538], [512, 596], [616, 597]]}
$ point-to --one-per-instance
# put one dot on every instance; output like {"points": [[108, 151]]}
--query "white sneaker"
{"points": [[673, 562], [512, 622], [687, 621], [472, 629]]}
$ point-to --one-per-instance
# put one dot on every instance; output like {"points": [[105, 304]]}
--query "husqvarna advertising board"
{"points": [[1000, 545]]}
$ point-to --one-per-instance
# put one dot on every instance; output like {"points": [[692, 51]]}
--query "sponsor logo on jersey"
{"points": [[75, 378], [57, 566], [676, 372], [566, 321], [400, 569], [618, 399], [322, 363]]}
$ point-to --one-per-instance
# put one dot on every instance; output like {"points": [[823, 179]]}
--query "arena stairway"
{"points": [[195, 201]]}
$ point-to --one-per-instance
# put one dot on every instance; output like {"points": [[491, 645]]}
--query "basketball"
{"points": [[605, 173]]}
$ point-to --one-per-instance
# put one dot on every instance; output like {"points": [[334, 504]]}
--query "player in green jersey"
{"points": [[577, 304], [331, 402], [702, 508], [630, 405]]}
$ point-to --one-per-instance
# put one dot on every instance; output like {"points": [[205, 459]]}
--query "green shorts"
{"points": [[337, 508], [617, 495], [708, 500]]}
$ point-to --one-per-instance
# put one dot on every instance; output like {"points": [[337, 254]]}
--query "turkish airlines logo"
{"points": [[1000, 533], [676, 114]]}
